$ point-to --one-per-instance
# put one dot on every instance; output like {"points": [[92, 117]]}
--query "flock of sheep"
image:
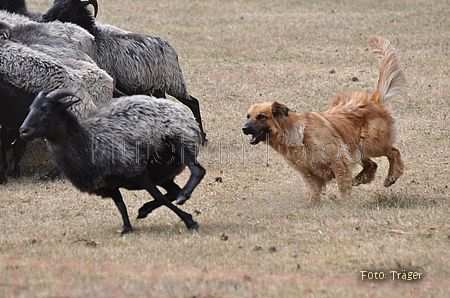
{"points": [[59, 73]]}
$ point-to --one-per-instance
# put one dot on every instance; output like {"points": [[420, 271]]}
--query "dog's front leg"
{"points": [[367, 174], [316, 185], [343, 176]]}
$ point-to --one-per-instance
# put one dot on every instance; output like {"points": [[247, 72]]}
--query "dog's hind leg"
{"points": [[396, 167], [367, 174]]}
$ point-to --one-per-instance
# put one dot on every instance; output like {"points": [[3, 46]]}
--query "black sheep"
{"points": [[14, 105], [121, 145]]}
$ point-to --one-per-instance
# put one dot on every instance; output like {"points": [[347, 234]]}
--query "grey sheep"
{"points": [[56, 39], [24, 72], [139, 64], [131, 142], [34, 71]]}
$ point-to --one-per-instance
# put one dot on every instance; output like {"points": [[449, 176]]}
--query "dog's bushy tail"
{"points": [[392, 80]]}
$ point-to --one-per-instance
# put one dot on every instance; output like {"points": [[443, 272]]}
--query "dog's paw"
{"points": [[313, 203], [389, 181], [333, 197], [356, 182]]}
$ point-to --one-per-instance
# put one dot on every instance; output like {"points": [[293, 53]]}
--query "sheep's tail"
{"points": [[392, 80]]}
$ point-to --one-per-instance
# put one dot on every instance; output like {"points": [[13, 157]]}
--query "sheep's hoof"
{"points": [[192, 226], [126, 230]]}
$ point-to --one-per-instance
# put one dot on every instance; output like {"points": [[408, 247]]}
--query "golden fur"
{"points": [[325, 145]]}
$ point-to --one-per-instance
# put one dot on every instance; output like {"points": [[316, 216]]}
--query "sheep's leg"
{"points": [[2, 159], [4, 148], [2, 171], [10, 138], [172, 192], [118, 200], [148, 184], [197, 173], [2, 174], [18, 152], [194, 106]]}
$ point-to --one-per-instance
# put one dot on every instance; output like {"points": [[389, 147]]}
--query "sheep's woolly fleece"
{"points": [[119, 137], [58, 34], [33, 71], [153, 63]]}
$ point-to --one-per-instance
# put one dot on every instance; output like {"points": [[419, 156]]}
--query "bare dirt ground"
{"points": [[257, 237]]}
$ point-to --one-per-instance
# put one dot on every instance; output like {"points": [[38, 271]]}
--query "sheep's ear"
{"points": [[279, 109], [95, 4]]}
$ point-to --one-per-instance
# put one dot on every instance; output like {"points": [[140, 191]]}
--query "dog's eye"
{"points": [[261, 117], [248, 116]]}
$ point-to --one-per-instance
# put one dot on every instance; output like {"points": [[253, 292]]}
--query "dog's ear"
{"points": [[279, 109]]}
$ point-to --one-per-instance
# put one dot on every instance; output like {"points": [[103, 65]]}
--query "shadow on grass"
{"points": [[400, 200], [205, 228]]}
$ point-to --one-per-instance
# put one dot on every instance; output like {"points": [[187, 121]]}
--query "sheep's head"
{"points": [[45, 114], [70, 11]]}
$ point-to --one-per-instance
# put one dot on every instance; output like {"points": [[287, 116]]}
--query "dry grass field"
{"points": [[257, 237]]}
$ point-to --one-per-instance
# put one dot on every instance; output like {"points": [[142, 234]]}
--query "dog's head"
{"points": [[263, 120]]}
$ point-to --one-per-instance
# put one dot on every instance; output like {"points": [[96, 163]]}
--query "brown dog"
{"points": [[357, 127]]}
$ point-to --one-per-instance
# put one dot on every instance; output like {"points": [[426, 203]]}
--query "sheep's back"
{"points": [[127, 131], [13, 18], [139, 63], [33, 71], [145, 118], [57, 39]]}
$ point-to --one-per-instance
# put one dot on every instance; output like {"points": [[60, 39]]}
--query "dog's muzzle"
{"points": [[257, 136]]}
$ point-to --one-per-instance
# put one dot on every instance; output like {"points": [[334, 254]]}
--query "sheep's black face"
{"points": [[39, 120], [61, 10], [46, 114], [74, 11]]}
